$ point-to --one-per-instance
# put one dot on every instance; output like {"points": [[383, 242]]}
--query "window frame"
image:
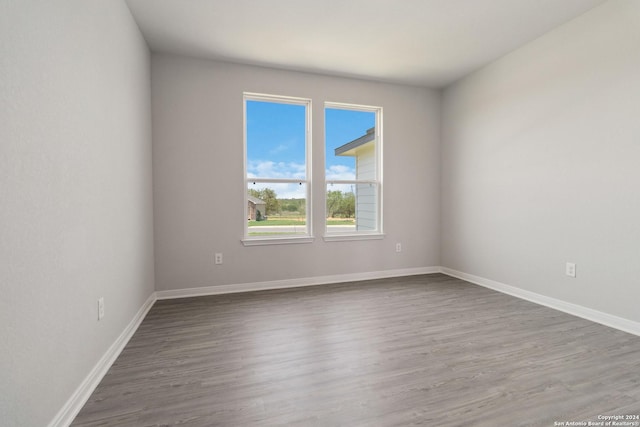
{"points": [[378, 233], [248, 240]]}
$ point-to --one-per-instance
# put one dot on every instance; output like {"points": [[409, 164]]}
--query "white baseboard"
{"points": [[606, 319], [293, 283], [75, 403], [65, 416]]}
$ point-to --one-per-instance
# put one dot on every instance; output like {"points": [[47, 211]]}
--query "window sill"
{"points": [[350, 237], [262, 241]]}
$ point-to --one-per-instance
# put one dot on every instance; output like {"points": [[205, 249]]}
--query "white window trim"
{"points": [[262, 241], [284, 239], [348, 237], [359, 235]]}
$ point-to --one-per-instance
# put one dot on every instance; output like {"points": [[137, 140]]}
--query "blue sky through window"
{"points": [[276, 143], [275, 140], [341, 127]]}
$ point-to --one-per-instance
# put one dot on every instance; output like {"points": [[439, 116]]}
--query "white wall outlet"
{"points": [[218, 258], [100, 308], [398, 247], [570, 269]]}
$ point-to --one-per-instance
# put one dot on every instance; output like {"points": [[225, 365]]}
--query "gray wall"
{"points": [[199, 185], [75, 195], [541, 164]]}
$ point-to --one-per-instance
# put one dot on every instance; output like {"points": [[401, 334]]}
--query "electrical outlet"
{"points": [[218, 258], [570, 269], [398, 247], [100, 308]]}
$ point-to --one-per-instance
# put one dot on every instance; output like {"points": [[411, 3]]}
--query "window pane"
{"points": [[366, 207], [352, 207], [276, 140], [350, 144], [276, 209], [351, 155]]}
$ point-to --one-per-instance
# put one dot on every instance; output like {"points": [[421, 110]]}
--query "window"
{"points": [[277, 169], [353, 170]]}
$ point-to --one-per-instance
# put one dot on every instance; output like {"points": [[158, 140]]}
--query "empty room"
{"points": [[319, 213]]}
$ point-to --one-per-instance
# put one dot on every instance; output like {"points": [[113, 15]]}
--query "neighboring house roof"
{"points": [[255, 200], [348, 148]]}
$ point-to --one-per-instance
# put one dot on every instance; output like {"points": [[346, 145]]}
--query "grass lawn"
{"points": [[341, 222], [273, 233], [280, 221], [298, 221]]}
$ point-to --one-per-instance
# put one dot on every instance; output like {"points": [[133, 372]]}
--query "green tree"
{"points": [[348, 205], [290, 205], [268, 196], [334, 202]]}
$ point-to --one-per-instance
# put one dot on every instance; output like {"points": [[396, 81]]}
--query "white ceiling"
{"points": [[422, 42]]}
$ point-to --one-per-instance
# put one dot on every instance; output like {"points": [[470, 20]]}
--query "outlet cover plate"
{"points": [[100, 308], [570, 269]]}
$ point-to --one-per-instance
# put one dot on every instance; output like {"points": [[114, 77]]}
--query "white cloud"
{"points": [[291, 170], [282, 170], [270, 169], [283, 190], [340, 172]]}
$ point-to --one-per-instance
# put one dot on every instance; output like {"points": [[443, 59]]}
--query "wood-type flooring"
{"points": [[426, 350]]}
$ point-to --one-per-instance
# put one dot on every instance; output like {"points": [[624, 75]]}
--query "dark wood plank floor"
{"points": [[423, 350]]}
